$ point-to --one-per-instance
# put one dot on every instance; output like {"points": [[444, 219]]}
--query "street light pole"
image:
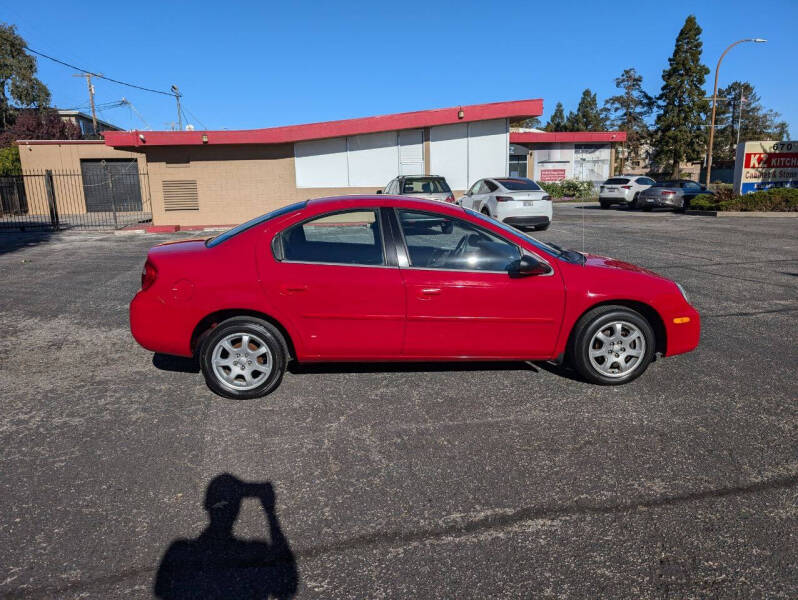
{"points": [[715, 99]]}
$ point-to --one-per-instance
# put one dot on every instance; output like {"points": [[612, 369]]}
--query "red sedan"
{"points": [[398, 279]]}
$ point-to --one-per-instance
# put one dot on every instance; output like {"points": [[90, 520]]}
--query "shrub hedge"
{"points": [[774, 199], [568, 188]]}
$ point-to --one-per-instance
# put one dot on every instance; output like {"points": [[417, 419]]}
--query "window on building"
{"points": [[518, 166], [349, 238], [438, 242]]}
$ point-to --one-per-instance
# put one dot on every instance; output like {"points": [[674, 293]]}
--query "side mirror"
{"points": [[527, 266], [379, 191]]}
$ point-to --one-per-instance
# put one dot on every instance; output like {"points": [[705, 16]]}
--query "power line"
{"points": [[61, 62]]}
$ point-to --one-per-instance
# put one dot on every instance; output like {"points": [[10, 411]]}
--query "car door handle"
{"points": [[287, 289], [425, 293]]}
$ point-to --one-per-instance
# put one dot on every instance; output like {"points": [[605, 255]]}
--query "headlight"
{"points": [[681, 289]]}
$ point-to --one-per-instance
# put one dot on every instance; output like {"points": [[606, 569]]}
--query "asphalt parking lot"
{"points": [[443, 481]]}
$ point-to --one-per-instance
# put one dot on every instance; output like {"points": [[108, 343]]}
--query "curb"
{"points": [[739, 213]]}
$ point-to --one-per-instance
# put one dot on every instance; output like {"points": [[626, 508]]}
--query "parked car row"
{"points": [[637, 191], [516, 201]]}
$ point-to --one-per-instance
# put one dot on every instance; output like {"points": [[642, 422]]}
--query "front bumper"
{"points": [[682, 336]]}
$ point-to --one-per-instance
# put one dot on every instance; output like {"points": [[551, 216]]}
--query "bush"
{"points": [[567, 188], [774, 199]]}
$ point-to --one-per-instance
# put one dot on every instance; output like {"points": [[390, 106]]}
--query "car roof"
{"points": [[381, 200], [421, 176]]}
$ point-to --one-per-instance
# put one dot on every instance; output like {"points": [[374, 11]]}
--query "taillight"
{"points": [[546, 197], [503, 199], [450, 198], [627, 187], [666, 193], [148, 276]]}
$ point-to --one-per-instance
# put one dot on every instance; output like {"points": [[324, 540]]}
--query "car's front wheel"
{"points": [[612, 345], [243, 357]]}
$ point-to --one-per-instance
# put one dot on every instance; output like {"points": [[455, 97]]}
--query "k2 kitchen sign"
{"points": [[765, 165]]}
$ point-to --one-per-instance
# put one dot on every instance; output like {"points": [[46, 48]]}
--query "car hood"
{"points": [[595, 261]]}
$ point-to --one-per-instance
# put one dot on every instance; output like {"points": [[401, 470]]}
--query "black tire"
{"points": [[542, 227], [604, 318], [485, 211], [635, 202], [646, 208], [259, 330], [604, 204]]}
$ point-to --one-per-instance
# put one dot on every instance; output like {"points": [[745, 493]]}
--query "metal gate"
{"points": [[104, 195]]}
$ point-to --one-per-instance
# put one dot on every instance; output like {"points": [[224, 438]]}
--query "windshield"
{"points": [[549, 248], [222, 237], [519, 184], [425, 185]]}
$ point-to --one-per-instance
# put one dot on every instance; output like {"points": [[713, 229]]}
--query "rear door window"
{"points": [[645, 181], [348, 238]]}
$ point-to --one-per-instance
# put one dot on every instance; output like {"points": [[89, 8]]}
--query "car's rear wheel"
{"points": [[612, 345], [604, 204], [243, 357]]}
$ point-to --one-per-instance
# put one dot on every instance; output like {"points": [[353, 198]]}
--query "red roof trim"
{"points": [[314, 131], [527, 137]]}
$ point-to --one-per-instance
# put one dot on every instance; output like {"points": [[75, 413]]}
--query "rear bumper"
{"points": [[614, 198], [661, 201], [527, 221], [159, 326]]}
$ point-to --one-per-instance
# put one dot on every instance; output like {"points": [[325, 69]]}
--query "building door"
{"points": [[122, 193], [411, 152]]}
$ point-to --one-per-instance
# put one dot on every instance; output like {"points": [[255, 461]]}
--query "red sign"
{"points": [[552, 174], [762, 160]]}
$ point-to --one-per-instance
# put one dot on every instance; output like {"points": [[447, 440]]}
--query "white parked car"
{"points": [[623, 189], [517, 201], [429, 187]]}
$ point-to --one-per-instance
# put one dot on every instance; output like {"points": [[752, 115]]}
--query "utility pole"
{"points": [[91, 100], [177, 94]]}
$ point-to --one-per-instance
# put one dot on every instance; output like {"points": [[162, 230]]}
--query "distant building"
{"points": [[556, 155], [84, 121]]}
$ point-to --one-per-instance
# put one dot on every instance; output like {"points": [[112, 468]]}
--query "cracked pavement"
{"points": [[433, 481]]}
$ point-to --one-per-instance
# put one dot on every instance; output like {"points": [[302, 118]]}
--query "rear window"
{"points": [[519, 184], [256, 221], [616, 181], [425, 185]]}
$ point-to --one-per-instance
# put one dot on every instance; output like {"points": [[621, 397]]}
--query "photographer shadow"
{"points": [[218, 565]]}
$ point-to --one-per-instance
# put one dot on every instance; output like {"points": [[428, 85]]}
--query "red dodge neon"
{"points": [[398, 279]]}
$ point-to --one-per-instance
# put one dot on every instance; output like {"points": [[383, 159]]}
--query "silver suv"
{"points": [[623, 189], [431, 187]]}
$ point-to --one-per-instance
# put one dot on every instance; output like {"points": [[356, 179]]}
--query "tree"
{"points": [[681, 132], [39, 125], [587, 117], [752, 122], [628, 111], [9, 161], [530, 123], [19, 86], [557, 119]]}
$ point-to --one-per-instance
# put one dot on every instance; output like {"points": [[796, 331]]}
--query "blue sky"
{"points": [[262, 64]]}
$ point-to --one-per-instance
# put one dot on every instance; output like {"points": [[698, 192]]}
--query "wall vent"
{"points": [[180, 194]]}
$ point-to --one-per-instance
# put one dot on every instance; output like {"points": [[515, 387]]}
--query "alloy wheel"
{"points": [[617, 348], [241, 361]]}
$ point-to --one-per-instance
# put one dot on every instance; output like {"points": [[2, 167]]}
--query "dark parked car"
{"points": [[675, 194]]}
